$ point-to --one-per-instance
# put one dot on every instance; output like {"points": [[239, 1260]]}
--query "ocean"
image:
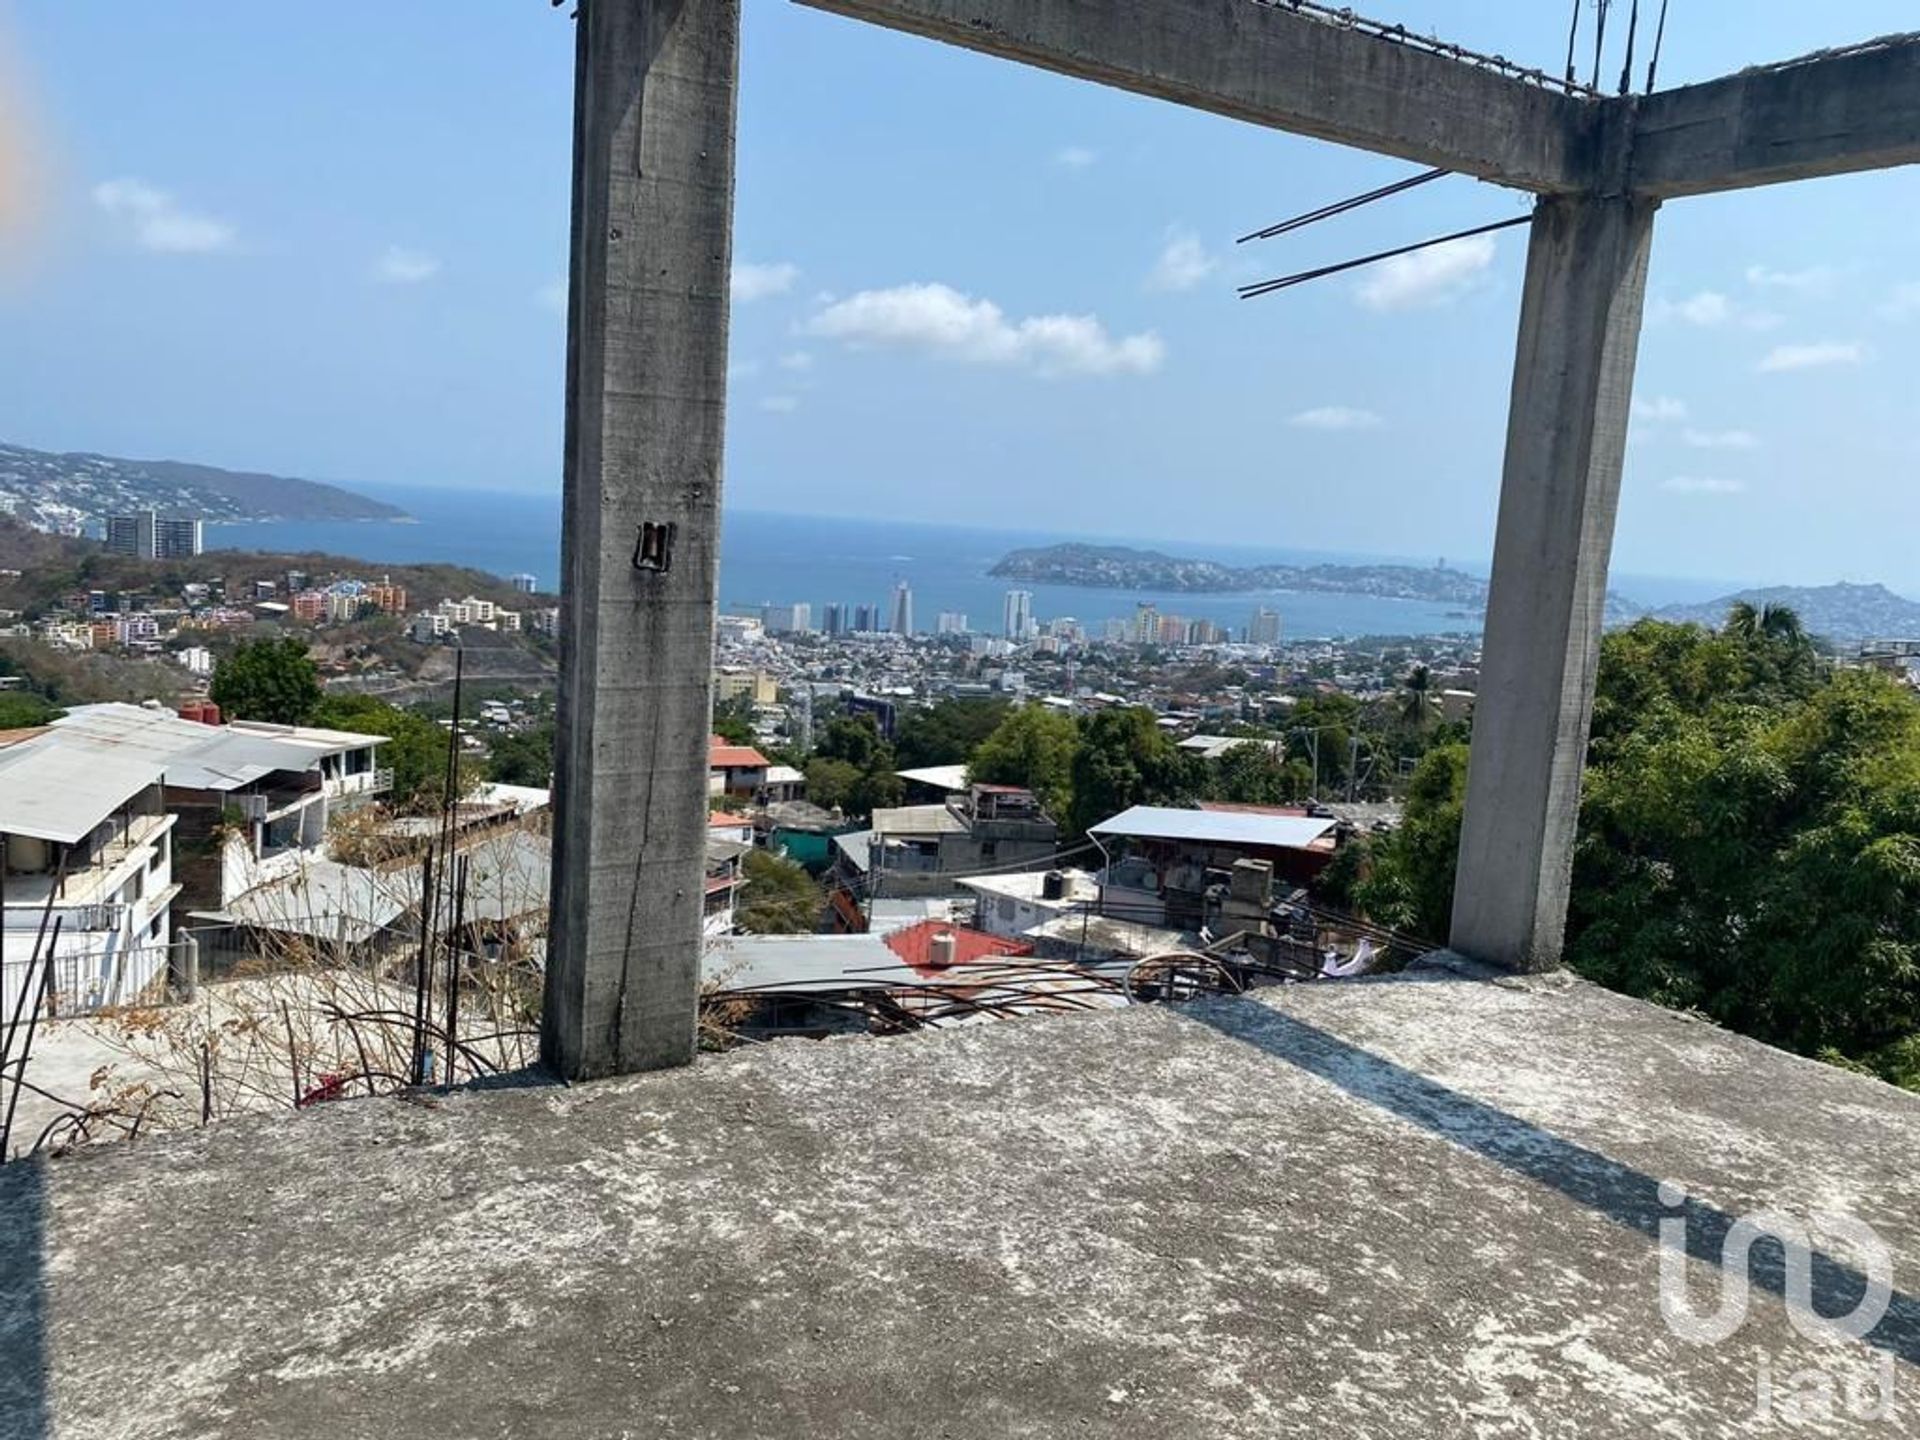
{"points": [[769, 558]]}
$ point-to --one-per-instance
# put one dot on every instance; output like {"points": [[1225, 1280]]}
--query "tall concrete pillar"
{"points": [[1566, 441], [654, 106]]}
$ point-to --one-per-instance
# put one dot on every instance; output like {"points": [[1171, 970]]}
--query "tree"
{"points": [[733, 720], [853, 741], [948, 733], [780, 898], [22, 710], [830, 782], [416, 747], [1257, 774], [1125, 759], [272, 680], [523, 757], [1411, 883], [1417, 699], [1033, 747]]}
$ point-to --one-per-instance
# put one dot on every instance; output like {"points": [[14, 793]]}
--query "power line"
{"points": [[1341, 207], [1268, 287]]}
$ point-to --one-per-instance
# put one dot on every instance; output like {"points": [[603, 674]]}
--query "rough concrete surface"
{"points": [[1421, 1206]]}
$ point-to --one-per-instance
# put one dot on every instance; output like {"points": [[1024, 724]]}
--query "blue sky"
{"points": [[330, 241]]}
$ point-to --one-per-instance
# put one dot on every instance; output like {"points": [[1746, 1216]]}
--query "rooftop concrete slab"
{"points": [[1418, 1206]]}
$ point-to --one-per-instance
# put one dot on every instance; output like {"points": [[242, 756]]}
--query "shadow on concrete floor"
{"points": [[1619, 1193], [24, 1410]]}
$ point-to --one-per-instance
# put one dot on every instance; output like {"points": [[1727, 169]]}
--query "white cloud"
{"points": [[399, 266], [1814, 280], [1659, 409], [552, 296], [939, 320], [1904, 302], [1183, 264], [1711, 310], [1811, 357], [1336, 417], [757, 282], [1428, 277], [1074, 157], [781, 404], [158, 222], [1701, 485], [796, 360], [1722, 439]]}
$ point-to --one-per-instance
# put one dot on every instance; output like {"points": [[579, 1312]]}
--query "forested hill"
{"points": [[1845, 614], [57, 492]]}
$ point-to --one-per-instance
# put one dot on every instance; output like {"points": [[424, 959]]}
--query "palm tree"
{"points": [[1782, 623], [1416, 697], [1743, 620]]}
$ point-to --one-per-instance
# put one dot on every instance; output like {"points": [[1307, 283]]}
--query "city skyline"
{"points": [[225, 307]]}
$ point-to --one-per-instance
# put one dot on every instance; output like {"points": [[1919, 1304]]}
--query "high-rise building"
{"points": [[1264, 629], [1017, 615], [525, 584], [795, 619], [951, 622], [833, 619], [145, 536], [902, 609], [1146, 624], [866, 619], [176, 539]]}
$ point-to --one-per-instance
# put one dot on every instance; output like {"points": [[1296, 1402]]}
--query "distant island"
{"points": [[72, 494], [1844, 614], [1119, 567]]}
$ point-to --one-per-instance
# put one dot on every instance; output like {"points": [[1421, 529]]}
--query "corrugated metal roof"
{"points": [[326, 901], [1216, 827], [207, 757], [59, 788], [951, 778]]}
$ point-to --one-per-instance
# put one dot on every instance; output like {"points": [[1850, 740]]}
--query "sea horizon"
{"points": [[771, 557]]}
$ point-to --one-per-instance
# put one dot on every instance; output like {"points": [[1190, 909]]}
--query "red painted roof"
{"points": [[722, 756], [721, 820], [915, 944]]}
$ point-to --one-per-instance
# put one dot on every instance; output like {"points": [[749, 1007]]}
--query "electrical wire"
{"points": [[1268, 287]]}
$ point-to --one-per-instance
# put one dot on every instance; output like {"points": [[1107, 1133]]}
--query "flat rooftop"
{"points": [[1425, 1205]]}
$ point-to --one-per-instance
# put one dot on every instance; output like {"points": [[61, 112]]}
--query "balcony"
{"points": [[96, 879], [366, 782], [1425, 1205]]}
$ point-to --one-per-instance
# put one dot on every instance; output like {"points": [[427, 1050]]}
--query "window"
{"points": [[989, 849], [153, 930], [1006, 907]]}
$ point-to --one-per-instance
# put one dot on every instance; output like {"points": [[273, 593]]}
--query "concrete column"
{"points": [[1566, 441], [655, 85]]}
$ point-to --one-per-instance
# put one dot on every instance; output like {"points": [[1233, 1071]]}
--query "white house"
{"points": [[86, 851]]}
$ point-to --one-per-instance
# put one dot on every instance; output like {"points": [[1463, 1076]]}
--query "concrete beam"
{"points": [[1831, 116], [654, 116], [1280, 68], [1566, 442]]}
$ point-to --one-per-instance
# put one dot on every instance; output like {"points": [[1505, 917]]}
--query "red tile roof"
{"points": [[915, 944], [721, 820], [722, 756]]}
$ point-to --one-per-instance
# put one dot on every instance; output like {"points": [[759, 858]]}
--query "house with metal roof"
{"points": [[86, 875], [1162, 862], [917, 850], [253, 801]]}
